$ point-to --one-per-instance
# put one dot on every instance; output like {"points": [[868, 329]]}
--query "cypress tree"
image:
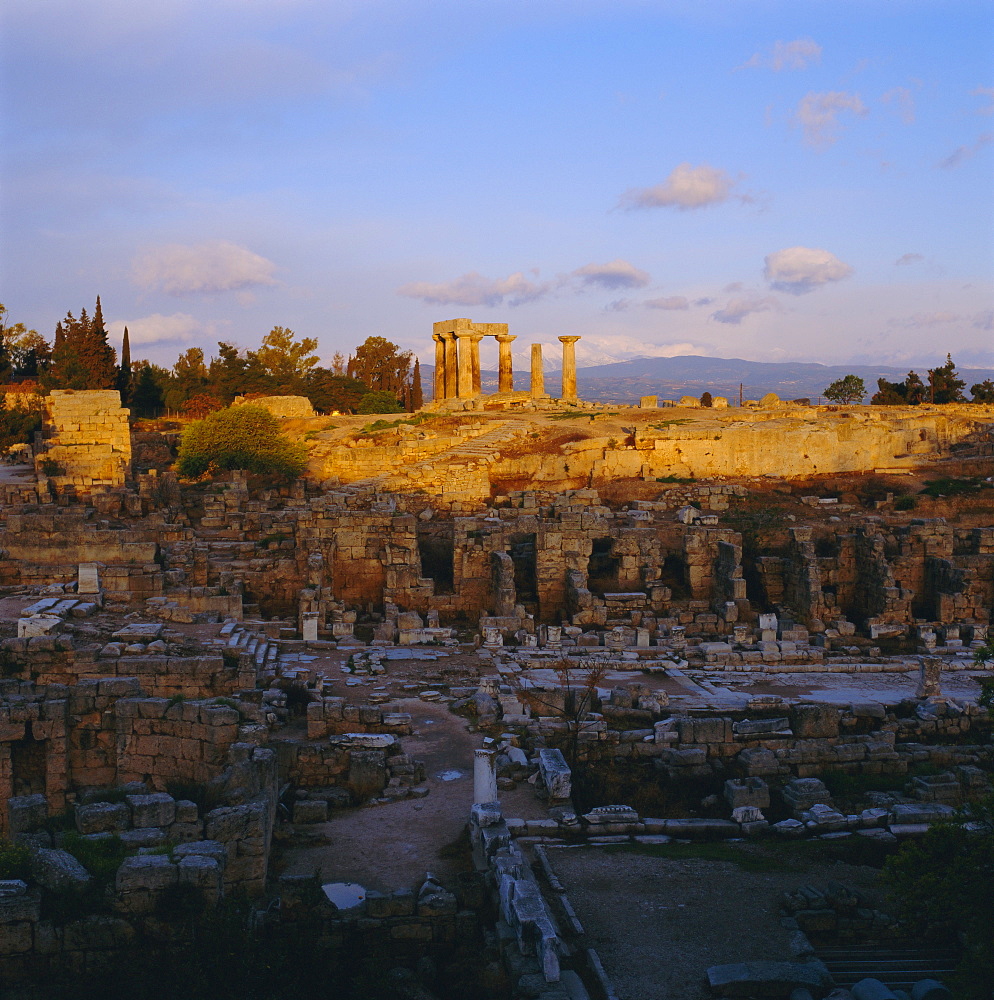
{"points": [[96, 354], [124, 379], [417, 396]]}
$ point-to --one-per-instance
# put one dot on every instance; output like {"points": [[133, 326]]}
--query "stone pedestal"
{"points": [[538, 373], [505, 365], [569, 367], [484, 776]]}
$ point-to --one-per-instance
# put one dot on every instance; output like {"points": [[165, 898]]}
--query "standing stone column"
{"points": [[465, 353], [474, 347], [451, 366], [484, 776], [538, 373], [505, 366], [439, 366], [569, 367]]}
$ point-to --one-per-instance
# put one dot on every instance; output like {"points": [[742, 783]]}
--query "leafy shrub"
{"points": [[240, 437], [15, 862], [907, 502], [380, 401]]}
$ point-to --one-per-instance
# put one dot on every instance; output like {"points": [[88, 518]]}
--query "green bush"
{"points": [[907, 502], [15, 862], [240, 437], [380, 401]]}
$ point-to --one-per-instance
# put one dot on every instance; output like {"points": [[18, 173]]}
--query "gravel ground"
{"points": [[391, 846], [659, 923]]}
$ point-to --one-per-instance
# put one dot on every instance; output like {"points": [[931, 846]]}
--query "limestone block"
{"points": [[140, 879], [101, 817], [367, 773], [204, 873], [26, 813], [203, 848], [39, 625], [310, 811], [556, 774], [749, 792], [157, 809], [56, 869]]}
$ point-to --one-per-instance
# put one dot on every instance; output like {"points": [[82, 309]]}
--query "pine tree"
{"points": [[124, 382], [82, 358]]}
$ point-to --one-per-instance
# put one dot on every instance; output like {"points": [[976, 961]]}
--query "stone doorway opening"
{"points": [[603, 567]]}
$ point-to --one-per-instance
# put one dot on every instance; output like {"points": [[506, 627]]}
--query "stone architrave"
{"points": [[929, 677], [538, 373], [569, 367], [484, 776], [505, 365], [439, 366], [88, 580]]}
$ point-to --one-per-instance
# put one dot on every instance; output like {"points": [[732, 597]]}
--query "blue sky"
{"points": [[797, 180]]}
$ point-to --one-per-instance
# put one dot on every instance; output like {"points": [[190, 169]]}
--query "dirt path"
{"points": [[658, 923], [391, 846]]}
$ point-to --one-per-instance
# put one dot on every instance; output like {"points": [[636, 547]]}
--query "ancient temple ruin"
{"points": [[457, 361]]}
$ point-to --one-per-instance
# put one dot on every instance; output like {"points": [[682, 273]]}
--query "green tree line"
{"points": [[943, 385], [377, 378]]}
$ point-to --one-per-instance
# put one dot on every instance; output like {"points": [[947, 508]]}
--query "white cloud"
{"points": [[798, 54], [738, 309], [964, 153], [473, 289], [988, 92], [802, 269], [210, 268], [686, 187], [673, 302], [924, 321], [908, 258], [817, 115], [903, 102], [179, 328], [616, 274]]}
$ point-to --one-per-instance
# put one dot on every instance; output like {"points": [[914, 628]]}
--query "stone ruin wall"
{"points": [[87, 437]]}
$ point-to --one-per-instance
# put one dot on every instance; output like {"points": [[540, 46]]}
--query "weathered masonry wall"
{"points": [[802, 441], [56, 739], [87, 438]]}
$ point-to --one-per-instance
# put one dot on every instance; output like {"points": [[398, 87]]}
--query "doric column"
{"points": [[505, 366], [439, 366], [538, 373], [569, 367], [451, 366], [474, 349], [465, 351]]}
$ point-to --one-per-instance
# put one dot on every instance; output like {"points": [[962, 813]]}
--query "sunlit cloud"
{"points": [[179, 328], [959, 156], [616, 274], [672, 302], [474, 289], [738, 309], [686, 188], [798, 54], [207, 268], [798, 270], [908, 258], [817, 115]]}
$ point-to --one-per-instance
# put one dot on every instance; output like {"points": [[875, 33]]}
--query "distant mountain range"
{"points": [[692, 375]]}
